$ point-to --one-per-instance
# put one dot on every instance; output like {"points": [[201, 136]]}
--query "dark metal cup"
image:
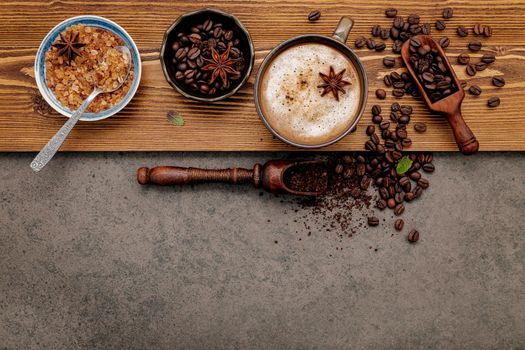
{"points": [[337, 41]]}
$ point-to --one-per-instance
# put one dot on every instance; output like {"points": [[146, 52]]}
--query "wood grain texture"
{"points": [[233, 124]]}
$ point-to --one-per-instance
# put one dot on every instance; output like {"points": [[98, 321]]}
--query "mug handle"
{"points": [[343, 29]]}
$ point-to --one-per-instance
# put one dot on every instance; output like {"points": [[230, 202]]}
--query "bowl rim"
{"points": [[164, 44], [40, 72], [341, 47]]}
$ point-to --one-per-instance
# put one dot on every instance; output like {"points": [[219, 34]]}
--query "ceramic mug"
{"points": [[336, 41]]}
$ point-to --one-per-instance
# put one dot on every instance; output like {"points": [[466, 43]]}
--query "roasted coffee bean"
{"points": [[314, 16], [204, 88], [391, 12], [385, 34], [429, 158], [463, 59], [487, 31], [413, 19], [399, 209], [188, 74], [179, 75], [380, 46], [376, 30], [361, 159], [194, 53], [383, 193], [420, 127], [428, 168], [418, 191], [398, 225], [387, 80], [463, 83], [391, 203], [409, 197], [370, 130], [488, 58], [423, 183], [348, 173], [399, 197], [181, 54], [413, 236], [360, 42], [462, 31], [365, 183], [377, 119], [440, 25], [384, 125], [376, 110], [217, 32], [398, 93], [370, 43], [444, 42], [228, 35], [475, 90], [347, 159], [493, 102], [395, 107], [406, 109], [375, 139], [381, 204], [394, 116], [360, 169], [406, 143], [399, 85], [207, 25], [401, 133], [371, 146], [389, 62], [195, 38], [415, 175], [448, 13], [398, 22], [481, 66], [373, 221], [478, 29], [471, 69], [498, 81], [381, 94], [404, 119], [415, 42], [425, 29], [396, 46], [475, 46], [339, 168]]}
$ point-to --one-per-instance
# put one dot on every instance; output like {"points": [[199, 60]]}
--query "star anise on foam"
{"points": [[333, 83], [221, 65], [69, 46]]}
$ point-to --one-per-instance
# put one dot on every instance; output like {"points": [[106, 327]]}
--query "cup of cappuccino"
{"points": [[311, 90]]}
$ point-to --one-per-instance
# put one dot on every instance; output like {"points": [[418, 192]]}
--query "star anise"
{"points": [[333, 83], [221, 65], [69, 46]]}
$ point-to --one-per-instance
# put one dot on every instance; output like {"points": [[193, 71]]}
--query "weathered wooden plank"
{"points": [[234, 124]]}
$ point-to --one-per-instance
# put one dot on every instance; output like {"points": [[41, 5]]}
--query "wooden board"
{"points": [[234, 124]]}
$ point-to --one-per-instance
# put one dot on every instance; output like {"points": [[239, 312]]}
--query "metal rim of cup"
{"points": [[173, 82], [341, 47]]}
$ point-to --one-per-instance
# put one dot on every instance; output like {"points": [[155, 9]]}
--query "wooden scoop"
{"points": [[270, 176], [450, 106]]}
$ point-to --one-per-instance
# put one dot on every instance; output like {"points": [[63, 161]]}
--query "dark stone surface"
{"points": [[89, 259]]}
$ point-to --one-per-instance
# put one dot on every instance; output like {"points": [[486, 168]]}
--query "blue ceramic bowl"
{"points": [[91, 21]]}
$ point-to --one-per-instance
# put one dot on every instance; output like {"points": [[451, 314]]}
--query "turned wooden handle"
{"points": [[465, 138], [171, 175]]}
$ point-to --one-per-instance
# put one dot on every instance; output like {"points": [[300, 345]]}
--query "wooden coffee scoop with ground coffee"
{"points": [[439, 86], [298, 178]]}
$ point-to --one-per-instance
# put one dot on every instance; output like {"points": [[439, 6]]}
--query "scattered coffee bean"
{"points": [[463, 59], [314, 16], [370, 130], [380, 46], [475, 90], [498, 81], [360, 42], [448, 13], [423, 183], [398, 225], [376, 31], [471, 69], [373, 221], [475, 46], [391, 12], [440, 25], [462, 31], [428, 168], [413, 19], [370, 43], [399, 209], [381, 94], [444, 42], [488, 58], [493, 102], [478, 29], [376, 110], [420, 127], [398, 93], [413, 236], [487, 31], [339, 169], [389, 62]]}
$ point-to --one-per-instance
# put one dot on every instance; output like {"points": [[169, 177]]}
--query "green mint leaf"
{"points": [[175, 118], [403, 165]]}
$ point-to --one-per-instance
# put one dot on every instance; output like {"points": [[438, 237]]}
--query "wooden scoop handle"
{"points": [[171, 175], [465, 138]]}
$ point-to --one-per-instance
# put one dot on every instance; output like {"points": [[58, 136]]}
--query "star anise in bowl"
{"points": [[333, 83], [69, 46]]}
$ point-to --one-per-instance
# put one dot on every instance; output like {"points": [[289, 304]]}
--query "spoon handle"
{"points": [[465, 138], [52, 146], [171, 175]]}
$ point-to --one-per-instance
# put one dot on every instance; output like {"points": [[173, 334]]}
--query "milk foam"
{"points": [[292, 102]]}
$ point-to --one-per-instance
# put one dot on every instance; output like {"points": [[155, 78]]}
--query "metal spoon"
{"points": [[56, 141]]}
